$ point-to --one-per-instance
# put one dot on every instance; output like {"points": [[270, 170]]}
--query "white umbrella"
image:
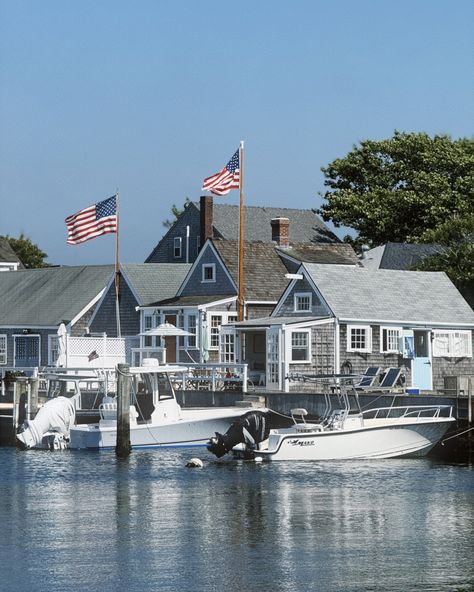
{"points": [[164, 330], [62, 346]]}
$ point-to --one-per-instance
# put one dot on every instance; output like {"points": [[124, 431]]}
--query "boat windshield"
{"points": [[150, 383]]}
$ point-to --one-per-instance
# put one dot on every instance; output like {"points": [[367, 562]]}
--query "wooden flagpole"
{"points": [[117, 270], [240, 298]]}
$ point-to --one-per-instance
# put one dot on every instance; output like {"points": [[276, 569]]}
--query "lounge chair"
{"points": [[390, 378], [368, 378]]}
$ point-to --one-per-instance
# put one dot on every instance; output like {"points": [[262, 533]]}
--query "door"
{"points": [[421, 363], [273, 358], [170, 341], [27, 350]]}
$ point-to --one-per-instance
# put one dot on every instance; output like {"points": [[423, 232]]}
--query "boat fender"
{"points": [[194, 463]]}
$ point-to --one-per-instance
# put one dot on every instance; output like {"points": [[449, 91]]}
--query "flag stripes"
{"points": [[93, 221]]}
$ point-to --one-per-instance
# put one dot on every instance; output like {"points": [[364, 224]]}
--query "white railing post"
{"points": [[244, 378]]}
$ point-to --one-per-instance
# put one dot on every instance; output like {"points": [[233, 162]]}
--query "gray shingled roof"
{"points": [[264, 272], [7, 254], [390, 295], [398, 255], [305, 225], [337, 253], [155, 281], [46, 297]]}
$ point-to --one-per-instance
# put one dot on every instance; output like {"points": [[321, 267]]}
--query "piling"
{"points": [[20, 387], [33, 385], [123, 447]]}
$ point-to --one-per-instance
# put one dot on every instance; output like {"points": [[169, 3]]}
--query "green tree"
{"points": [[399, 189], [456, 256], [176, 213], [29, 254]]}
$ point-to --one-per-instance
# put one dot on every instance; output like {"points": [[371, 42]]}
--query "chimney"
{"points": [[205, 207], [281, 231]]}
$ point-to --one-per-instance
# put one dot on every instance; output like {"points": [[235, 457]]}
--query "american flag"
{"points": [[93, 356], [223, 181], [101, 218]]}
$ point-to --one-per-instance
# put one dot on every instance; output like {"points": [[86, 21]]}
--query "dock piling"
{"points": [[123, 447]]}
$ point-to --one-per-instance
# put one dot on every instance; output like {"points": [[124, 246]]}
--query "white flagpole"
{"points": [[240, 297]]}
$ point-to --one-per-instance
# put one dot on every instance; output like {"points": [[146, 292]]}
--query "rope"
{"points": [[456, 435]]}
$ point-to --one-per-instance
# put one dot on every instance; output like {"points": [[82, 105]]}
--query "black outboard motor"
{"points": [[250, 429]]}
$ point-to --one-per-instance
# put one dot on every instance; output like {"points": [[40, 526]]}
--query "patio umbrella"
{"points": [[62, 335], [164, 330]]}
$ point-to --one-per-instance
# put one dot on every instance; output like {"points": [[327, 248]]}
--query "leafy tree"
{"points": [[456, 256], [397, 190], [176, 213], [29, 254]]}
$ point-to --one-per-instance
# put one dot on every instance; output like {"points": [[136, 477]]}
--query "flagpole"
{"points": [[117, 269], [240, 297]]}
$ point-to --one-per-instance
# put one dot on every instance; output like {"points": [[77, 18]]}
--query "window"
{"points": [[150, 321], [209, 272], [390, 339], [3, 349], [216, 320], [228, 348], [215, 325], [452, 344], [300, 346], [359, 338], [177, 247], [53, 349], [303, 302], [192, 329]]}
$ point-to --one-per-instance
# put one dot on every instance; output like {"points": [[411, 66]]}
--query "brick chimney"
{"points": [[281, 231], [206, 218]]}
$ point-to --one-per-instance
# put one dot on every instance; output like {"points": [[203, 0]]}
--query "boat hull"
{"points": [[193, 429], [388, 441]]}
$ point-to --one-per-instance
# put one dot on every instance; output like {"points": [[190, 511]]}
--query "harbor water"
{"points": [[75, 521]]}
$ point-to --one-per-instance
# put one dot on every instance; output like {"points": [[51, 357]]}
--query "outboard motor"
{"points": [[54, 420], [249, 429]]}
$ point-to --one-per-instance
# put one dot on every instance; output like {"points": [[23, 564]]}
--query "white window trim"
{"points": [[52, 362], [308, 360], [177, 244], [368, 330], [451, 333], [224, 321], [3, 352], [203, 278], [300, 295], [399, 330]]}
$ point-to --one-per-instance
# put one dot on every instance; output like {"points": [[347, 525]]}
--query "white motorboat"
{"points": [[341, 433], [385, 432], [156, 418]]}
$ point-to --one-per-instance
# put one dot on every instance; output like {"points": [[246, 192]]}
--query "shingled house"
{"points": [[207, 298], [205, 219], [335, 318]]}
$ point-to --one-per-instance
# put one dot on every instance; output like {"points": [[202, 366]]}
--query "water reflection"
{"points": [[91, 522]]}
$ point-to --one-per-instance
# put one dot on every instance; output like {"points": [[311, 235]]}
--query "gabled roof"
{"points": [[337, 253], [398, 255], [7, 254], [358, 293], [264, 271], [152, 282], [305, 225], [51, 295]]}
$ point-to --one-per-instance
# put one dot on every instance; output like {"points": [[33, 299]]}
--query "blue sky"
{"points": [[152, 96]]}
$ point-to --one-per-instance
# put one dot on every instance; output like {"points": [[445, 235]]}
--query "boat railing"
{"points": [[410, 411]]}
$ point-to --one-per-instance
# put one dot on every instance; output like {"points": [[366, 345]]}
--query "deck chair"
{"points": [[390, 378], [368, 378]]}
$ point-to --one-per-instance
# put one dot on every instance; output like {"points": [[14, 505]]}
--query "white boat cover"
{"points": [[56, 415]]}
